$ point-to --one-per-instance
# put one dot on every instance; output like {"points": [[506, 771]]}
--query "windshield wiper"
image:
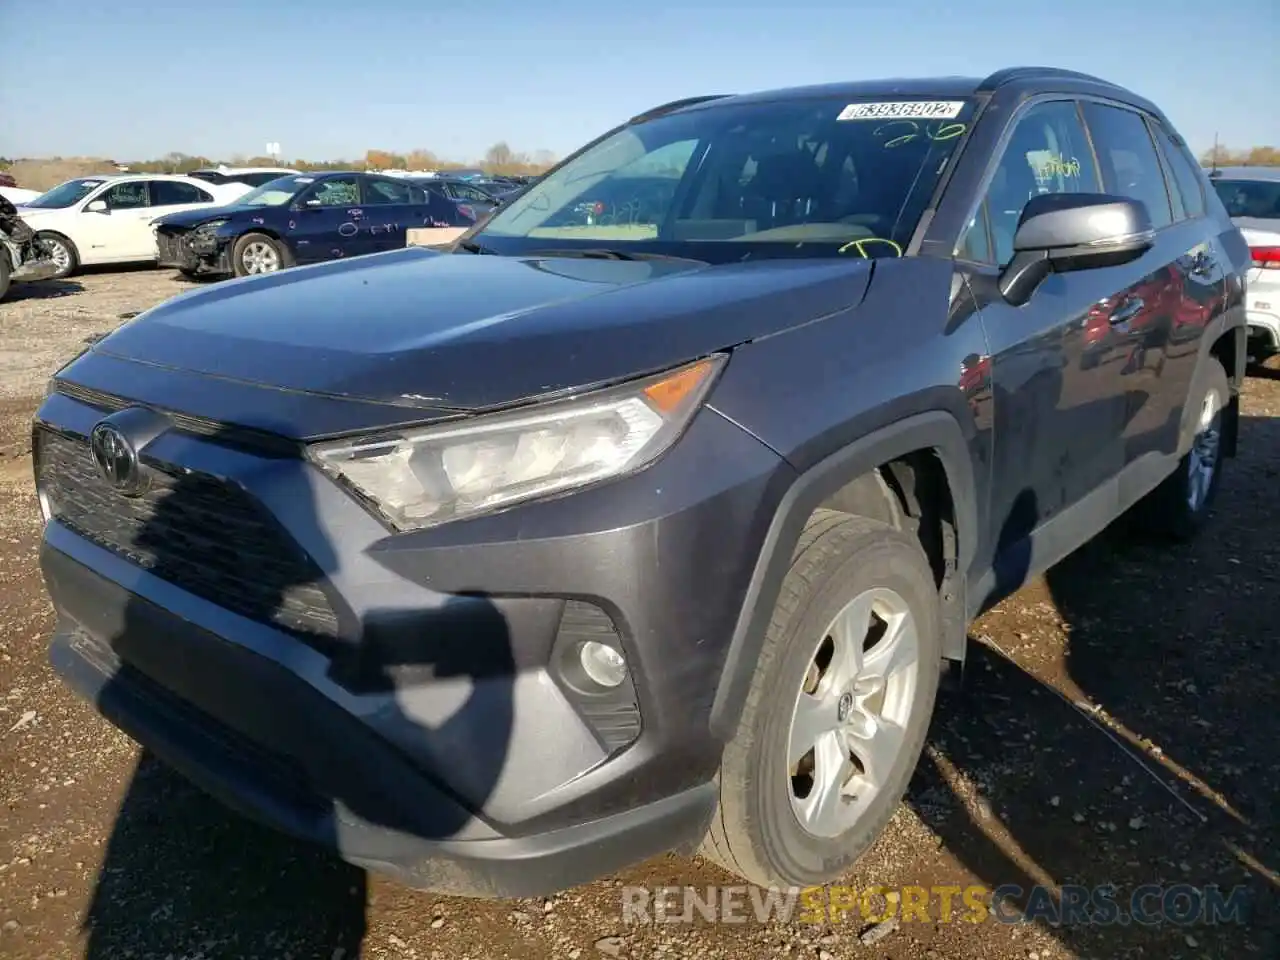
{"points": [[604, 253], [472, 247]]}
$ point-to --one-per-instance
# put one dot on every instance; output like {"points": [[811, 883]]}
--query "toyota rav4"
{"points": [[648, 515]]}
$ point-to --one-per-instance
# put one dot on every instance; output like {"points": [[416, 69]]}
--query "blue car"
{"points": [[303, 218]]}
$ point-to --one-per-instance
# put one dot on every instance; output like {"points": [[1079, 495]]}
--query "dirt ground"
{"points": [[1118, 724]]}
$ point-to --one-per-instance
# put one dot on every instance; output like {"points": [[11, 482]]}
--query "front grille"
{"points": [[172, 250], [193, 530]]}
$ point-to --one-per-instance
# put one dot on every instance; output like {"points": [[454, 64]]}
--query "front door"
{"points": [[327, 221], [123, 232], [1057, 411]]}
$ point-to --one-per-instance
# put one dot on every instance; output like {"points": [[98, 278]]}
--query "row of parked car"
{"points": [[235, 221]]}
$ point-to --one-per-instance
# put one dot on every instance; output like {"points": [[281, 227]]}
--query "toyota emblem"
{"points": [[116, 459]]}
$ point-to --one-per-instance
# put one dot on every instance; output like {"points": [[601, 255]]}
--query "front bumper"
{"points": [[430, 736], [184, 251]]}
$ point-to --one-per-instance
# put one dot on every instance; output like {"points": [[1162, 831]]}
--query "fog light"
{"points": [[602, 663]]}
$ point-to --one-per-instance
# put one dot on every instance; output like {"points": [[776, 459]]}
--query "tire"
{"points": [[4, 273], [265, 255], [757, 831], [1178, 508], [62, 251]]}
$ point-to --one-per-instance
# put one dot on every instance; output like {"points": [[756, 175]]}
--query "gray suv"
{"points": [[600, 535]]}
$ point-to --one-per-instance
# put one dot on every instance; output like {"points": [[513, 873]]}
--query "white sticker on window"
{"points": [[304, 179], [903, 110]]}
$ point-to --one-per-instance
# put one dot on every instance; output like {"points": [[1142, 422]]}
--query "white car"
{"points": [[17, 196], [107, 219], [1252, 198]]}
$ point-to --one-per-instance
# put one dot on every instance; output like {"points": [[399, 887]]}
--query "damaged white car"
{"points": [[107, 219]]}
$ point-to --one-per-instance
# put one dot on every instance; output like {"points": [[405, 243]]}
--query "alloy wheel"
{"points": [[849, 722], [260, 257]]}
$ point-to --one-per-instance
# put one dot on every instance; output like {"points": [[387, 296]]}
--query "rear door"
{"points": [[1153, 380], [1057, 408], [388, 213], [326, 225]]}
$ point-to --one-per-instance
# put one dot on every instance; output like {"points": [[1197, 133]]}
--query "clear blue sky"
{"points": [[332, 79]]}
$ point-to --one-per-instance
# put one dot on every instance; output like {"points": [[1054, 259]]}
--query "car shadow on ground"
{"points": [[180, 871], [1156, 771], [42, 290]]}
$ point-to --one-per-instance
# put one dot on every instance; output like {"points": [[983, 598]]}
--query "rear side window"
{"points": [[1258, 199], [167, 192], [1187, 178], [1127, 156], [256, 179], [386, 192]]}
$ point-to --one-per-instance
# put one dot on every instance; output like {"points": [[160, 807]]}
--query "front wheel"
{"points": [[62, 252], [257, 253], [838, 709]]}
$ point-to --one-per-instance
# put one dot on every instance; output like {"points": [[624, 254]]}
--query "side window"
{"points": [[1186, 174], [167, 192], [258, 179], [336, 192], [126, 196], [383, 192], [976, 244], [1047, 153], [1130, 167]]}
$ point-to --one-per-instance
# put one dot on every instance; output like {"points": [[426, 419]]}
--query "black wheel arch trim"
{"points": [[936, 430]]}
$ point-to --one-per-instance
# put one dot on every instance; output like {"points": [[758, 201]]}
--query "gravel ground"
{"points": [[1118, 725]]}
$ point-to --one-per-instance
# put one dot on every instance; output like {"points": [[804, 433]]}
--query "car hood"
{"points": [[418, 328], [193, 218]]}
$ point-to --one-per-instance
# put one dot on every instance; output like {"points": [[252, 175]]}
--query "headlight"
{"points": [[431, 476], [211, 225]]}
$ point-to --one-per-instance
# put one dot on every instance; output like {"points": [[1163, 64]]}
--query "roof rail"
{"points": [[1010, 74], [676, 105]]}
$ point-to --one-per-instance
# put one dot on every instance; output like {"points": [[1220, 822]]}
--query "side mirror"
{"points": [[1060, 232], [97, 206]]}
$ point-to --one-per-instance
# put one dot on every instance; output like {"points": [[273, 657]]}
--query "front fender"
{"points": [[935, 430]]}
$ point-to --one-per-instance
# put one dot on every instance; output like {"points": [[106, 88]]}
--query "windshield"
{"points": [[274, 193], [1258, 199], [65, 194], [799, 177]]}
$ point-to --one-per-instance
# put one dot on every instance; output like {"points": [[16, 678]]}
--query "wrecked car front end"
{"points": [[199, 249], [27, 258]]}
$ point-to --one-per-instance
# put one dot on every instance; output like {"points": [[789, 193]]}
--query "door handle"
{"points": [[1127, 311]]}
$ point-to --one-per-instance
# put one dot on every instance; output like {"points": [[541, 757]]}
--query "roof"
{"points": [[904, 87], [1028, 79], [125, 177], [1245, 173]]}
